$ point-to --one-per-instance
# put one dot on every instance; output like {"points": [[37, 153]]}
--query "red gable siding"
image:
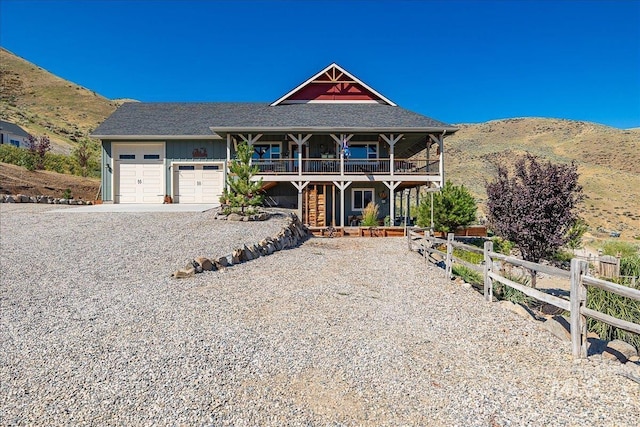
{"points": [[333, 91]]}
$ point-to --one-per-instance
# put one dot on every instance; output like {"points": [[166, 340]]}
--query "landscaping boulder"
{"points": [[619, 350], [558, 326], [236, 256], [206, 263], [518, 309]]}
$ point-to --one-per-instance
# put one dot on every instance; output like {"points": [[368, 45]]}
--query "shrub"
{"points": [[575, 233], [472, 257], [467, 274], [370, 215], [563, 256], [39, 147], [616, 306], [630, 266], [453, 207], [615, 247], [52, 162], [504, 292], [11, 154], [534, 206], [501, 245]]}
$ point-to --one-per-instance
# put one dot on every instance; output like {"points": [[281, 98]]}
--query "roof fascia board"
{"points": [[337, 101], [323, 129], [157, 137], [324, 70]]}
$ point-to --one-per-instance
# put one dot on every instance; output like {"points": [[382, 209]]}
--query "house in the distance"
{"points": [[11, 133], [328, 147]]}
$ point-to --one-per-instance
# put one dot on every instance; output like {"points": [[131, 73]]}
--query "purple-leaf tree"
{"points": [[534, 206], [39, 147]]}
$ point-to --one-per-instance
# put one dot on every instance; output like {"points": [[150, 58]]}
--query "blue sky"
{"points": [[455, 61]]}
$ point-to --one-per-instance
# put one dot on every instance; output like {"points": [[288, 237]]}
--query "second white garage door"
{"points": [[198, 183]]}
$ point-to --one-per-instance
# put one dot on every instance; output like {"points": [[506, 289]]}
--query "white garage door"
{"points": [[198, 183], [139, 173]]}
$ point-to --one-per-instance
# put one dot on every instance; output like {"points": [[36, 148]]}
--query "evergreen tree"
{"points": [[242, 191], [453, 207]]}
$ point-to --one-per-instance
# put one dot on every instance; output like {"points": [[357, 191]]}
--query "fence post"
{"points": [[578, 299], [488, 266], [424, 247], [409, 240], [449, 261]]}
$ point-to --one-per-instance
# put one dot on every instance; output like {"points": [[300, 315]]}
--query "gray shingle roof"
{"points": [[198, 119], [13, 128]]}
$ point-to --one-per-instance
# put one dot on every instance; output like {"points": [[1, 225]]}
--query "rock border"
{"points": [[22, 198], [290, 236], [260, 216]]}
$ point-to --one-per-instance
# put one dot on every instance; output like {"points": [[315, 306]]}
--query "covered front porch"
{"points": [[341, 204], [338, 154]]}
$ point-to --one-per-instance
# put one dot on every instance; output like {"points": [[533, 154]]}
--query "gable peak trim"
{"points": [[338, 72]]}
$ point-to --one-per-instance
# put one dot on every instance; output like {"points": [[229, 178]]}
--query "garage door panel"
{"points": [[140, 173], [199, 183]]}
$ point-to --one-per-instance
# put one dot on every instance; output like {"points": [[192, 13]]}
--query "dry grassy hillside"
{"points": [[608, 161], [43, 103]]}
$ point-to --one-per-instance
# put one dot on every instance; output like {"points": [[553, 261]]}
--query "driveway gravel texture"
{"points": [[337, 332]]}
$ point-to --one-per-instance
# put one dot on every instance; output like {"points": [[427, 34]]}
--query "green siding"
{"points": [[107, 172], [184, 151], [379, 187]]}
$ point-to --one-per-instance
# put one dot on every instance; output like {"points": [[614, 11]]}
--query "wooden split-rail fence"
{"points": [[420, 240]]}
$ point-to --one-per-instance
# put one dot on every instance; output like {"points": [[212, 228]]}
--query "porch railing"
{"points": [[331, 166]]}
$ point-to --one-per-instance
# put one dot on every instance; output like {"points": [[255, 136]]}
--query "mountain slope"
{"points": [[43, 103], [608, 161]]}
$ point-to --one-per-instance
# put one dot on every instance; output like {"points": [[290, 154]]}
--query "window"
{"points": [[186, 168], [15, 142], [364, 151], [152, 156], [266, 151], [211, 167], [127, 156], [361, 197]]}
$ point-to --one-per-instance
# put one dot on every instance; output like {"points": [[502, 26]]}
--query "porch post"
{"points": [[300, 185], [339, 141], [300, 140], [439, 139], [391, 140], [391, 185], [226, 166], [342, 186]]}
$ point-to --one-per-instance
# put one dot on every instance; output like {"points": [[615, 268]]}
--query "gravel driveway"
{"points": [[337, 332]]}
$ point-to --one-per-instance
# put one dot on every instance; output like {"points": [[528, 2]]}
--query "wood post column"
{"points": [[342, 186], [301, 140], [392, 185], [439, 139], [300, 185], [339, 140], [391, 140]]}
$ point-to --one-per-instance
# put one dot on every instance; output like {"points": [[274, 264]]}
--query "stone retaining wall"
{"points": [[293, 233], [21, 198]]}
